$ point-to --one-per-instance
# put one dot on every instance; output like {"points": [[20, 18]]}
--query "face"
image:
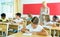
{"points": [[54, 19], [47, 19], [34, 25], [17, 17], [29, 15], [44, 4], [3, 17]]}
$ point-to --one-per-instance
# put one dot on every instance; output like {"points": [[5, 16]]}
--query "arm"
{"points": [[25, 30], [43, 32], [53, 25], [21, 22], [41, 23]]}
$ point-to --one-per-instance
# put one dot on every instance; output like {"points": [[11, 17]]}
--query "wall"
{"points": [[37, 2]]}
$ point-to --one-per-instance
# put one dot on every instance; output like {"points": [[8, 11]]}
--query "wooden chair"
{"points": [[48, 30], [58, 24], [24, 23], [13, 27], [4, 28]]}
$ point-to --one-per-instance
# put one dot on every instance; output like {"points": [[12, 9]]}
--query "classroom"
{"points": [[29, 18]]}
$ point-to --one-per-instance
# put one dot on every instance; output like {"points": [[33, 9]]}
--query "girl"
{"points": [[34, 28]]}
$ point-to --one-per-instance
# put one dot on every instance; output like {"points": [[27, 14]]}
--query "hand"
{"points": [[27, 31], [34, 33]]}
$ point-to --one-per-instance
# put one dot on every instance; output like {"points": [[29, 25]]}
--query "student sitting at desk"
{"points": [[19, 21], [3, 18], [55, 19], [29, 18], [18, 18], [48, 22], [34, 28]]}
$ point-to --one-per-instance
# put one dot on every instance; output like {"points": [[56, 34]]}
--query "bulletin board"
{"points": [[35, 8]]}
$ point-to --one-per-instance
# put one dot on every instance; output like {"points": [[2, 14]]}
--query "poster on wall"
{"points": [[35, 8]]}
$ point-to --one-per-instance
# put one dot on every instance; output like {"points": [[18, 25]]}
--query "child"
{"points": [[18, 18], [19, 21], [47, 21], [29, 19], [3, 18], [54, 19], [34, 28]]}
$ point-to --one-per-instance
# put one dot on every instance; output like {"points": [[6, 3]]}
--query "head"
{"points": [[18, 15], [3, 15], [47, 18], [35, 21], [55, 18], [30, 15], [44, 3]]}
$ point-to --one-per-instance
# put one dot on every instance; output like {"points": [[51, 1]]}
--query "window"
{"points": [[7, 6]]}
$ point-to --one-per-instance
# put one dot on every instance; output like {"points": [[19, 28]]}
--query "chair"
{"points": [[3, 28], [48, 30]]}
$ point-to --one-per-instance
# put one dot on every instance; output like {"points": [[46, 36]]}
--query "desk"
{"points": [[13, 27], [4, 28], [21, 35], [55, 28]]}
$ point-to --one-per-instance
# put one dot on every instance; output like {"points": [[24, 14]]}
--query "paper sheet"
{"points": [[27, 34]]}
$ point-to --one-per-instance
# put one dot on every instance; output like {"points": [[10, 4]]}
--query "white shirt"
{"points": [[44, 11], [48, 23], [37, 29], [18, 20], [55, 21]]}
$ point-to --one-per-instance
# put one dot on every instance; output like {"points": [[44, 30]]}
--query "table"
{"points": [[55, 28], [21, 35], [4, 28], [13, 27], [52, 28]]}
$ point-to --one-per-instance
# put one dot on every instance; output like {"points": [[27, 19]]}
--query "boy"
{"points": [[3, 18], [19, 21], [18, 18]]}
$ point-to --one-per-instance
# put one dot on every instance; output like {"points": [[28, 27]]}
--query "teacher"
{"points": [[43, 11]]}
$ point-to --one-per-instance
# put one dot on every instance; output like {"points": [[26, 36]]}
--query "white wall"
{"points": [[38, 1]]}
